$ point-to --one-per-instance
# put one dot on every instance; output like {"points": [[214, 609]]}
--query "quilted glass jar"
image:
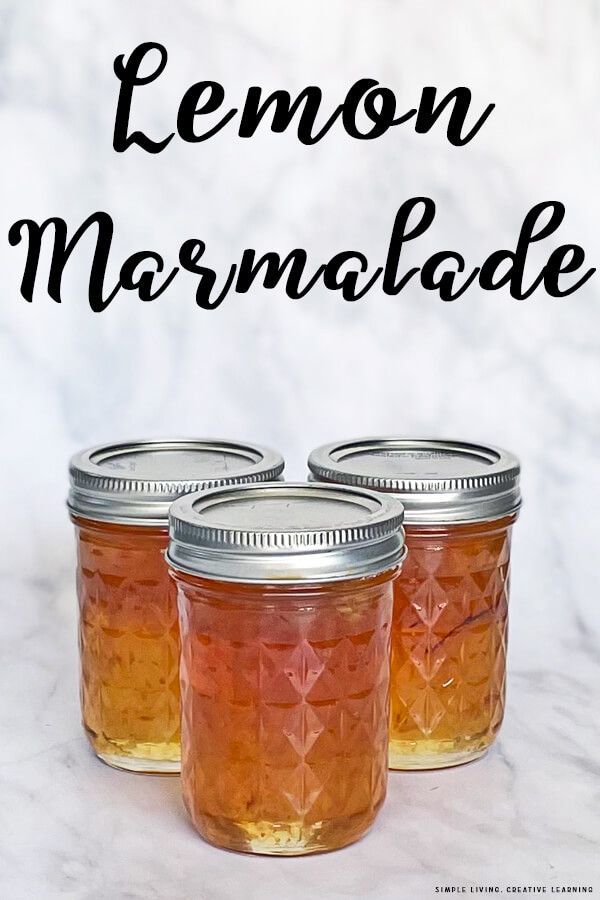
{"points": [[451, 601], [285, 602], [128, 623]]}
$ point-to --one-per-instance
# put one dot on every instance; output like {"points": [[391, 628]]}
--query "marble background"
{"points": [[295, 374]]}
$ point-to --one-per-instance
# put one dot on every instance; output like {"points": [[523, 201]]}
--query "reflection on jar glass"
{"points": [[448, 667], [285, 668], [128, 621]]}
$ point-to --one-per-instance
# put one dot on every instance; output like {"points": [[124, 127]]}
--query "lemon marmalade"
{"points": [[128, 621], [448, 658], [285, 598]]}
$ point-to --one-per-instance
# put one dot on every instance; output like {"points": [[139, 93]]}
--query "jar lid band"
{"points": [[438, 481], [135, 482], [285, 533]]}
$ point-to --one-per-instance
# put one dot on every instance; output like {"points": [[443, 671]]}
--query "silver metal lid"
{"points": [[438, 481], [135, 482], [286, 533]]}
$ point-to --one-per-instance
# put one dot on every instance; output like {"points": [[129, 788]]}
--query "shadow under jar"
{"points": [[451, 601], [128, 624], [285, 603]]}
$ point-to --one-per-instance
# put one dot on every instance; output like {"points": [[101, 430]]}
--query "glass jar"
{"points": [[451, 601], [128, 623], [285, 603]]}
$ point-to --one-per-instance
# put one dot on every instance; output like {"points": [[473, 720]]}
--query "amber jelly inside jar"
{"points": [[448, 662], [285, 603], [128, 622]]}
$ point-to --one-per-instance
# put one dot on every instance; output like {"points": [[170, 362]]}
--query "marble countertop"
{"points": [[527, 814]]}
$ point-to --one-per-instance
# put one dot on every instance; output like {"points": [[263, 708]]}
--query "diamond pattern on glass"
{"points": [[129, 644], [284, 713], [449, 640]]}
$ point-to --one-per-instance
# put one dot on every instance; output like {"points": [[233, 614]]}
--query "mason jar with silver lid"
{"points": [[285, 604], [119, 500], [451, 601]]}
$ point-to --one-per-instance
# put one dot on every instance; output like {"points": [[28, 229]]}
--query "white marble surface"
{"points": [[294, 375]]}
